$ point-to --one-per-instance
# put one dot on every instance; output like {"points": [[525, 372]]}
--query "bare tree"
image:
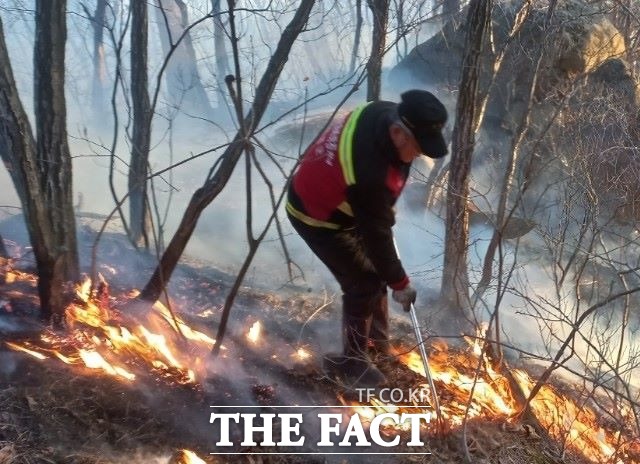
{"points": [[401, 36], [357, 36], [59, 261], [455, 280], [380, 12], [98, 23], [219, 43], [580, 317], [184, 87], [221, 172], [504, 214], [41, 170], [142, 117]]}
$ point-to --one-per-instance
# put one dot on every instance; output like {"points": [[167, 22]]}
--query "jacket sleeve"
{"points": [[372, 206]]}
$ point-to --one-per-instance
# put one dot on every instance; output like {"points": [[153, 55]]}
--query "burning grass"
{"points": [[135, 382], [573, 424], [105, 339]]}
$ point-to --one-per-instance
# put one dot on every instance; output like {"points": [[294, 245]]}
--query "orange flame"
{"points": [[189, 457], [567, 421], [575, 425], [35, 354], [14, 275], [491, 396], [98, 342], [254, 332], [94, 360], [179, 325], [302, 354]]}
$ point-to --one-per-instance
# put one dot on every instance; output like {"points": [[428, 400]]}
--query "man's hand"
{"points": [[405, 297]]}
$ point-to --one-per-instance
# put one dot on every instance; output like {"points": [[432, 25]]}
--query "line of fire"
{"points": [[104, 342]]}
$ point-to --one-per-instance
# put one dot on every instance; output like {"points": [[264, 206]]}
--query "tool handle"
{"points": [[425, 363]]}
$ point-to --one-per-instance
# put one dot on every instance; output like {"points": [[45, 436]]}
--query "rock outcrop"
{"points": [[576, 41], [586, 102]]}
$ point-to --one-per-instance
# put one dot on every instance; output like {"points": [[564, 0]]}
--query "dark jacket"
{"points": [[350, 179]]}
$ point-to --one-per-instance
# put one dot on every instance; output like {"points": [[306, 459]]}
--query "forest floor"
{"points": [[51, 412]]}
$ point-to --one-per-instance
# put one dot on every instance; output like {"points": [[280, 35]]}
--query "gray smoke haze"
{"points": [[8, 363], [220, 236]]}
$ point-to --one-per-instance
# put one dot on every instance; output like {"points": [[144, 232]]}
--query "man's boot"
{"points": [[379, 330], [353, 367]]}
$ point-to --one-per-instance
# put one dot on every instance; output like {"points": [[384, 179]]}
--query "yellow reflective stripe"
{"points": [[345, 147], [308, 220], [345, 208]]}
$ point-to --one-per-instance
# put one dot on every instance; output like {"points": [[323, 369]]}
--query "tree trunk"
{"points": [[41, 171], [60, 261], [455, 280], [184, 87], [222, 62], [438, 164], [380, 11], [60, 264], [358, 34], [449, 9], [214, 185], [401, 34], [99, 66], [503, 214], [140, 142], [3, 251]]}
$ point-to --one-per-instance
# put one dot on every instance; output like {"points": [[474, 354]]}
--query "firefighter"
{"points": [[341, 200]]}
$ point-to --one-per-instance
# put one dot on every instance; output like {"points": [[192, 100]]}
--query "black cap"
{"points": [[425, 116]]}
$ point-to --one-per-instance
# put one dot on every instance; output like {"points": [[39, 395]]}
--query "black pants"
{"points": [[344, 254], [364, 293]]}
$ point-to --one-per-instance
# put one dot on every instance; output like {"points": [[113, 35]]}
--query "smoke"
{"points": [[142, 457], [7, 326], [220, 237], [8, 362]]}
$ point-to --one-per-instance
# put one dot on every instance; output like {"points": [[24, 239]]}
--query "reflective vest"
{"points": [[318, 193]]}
